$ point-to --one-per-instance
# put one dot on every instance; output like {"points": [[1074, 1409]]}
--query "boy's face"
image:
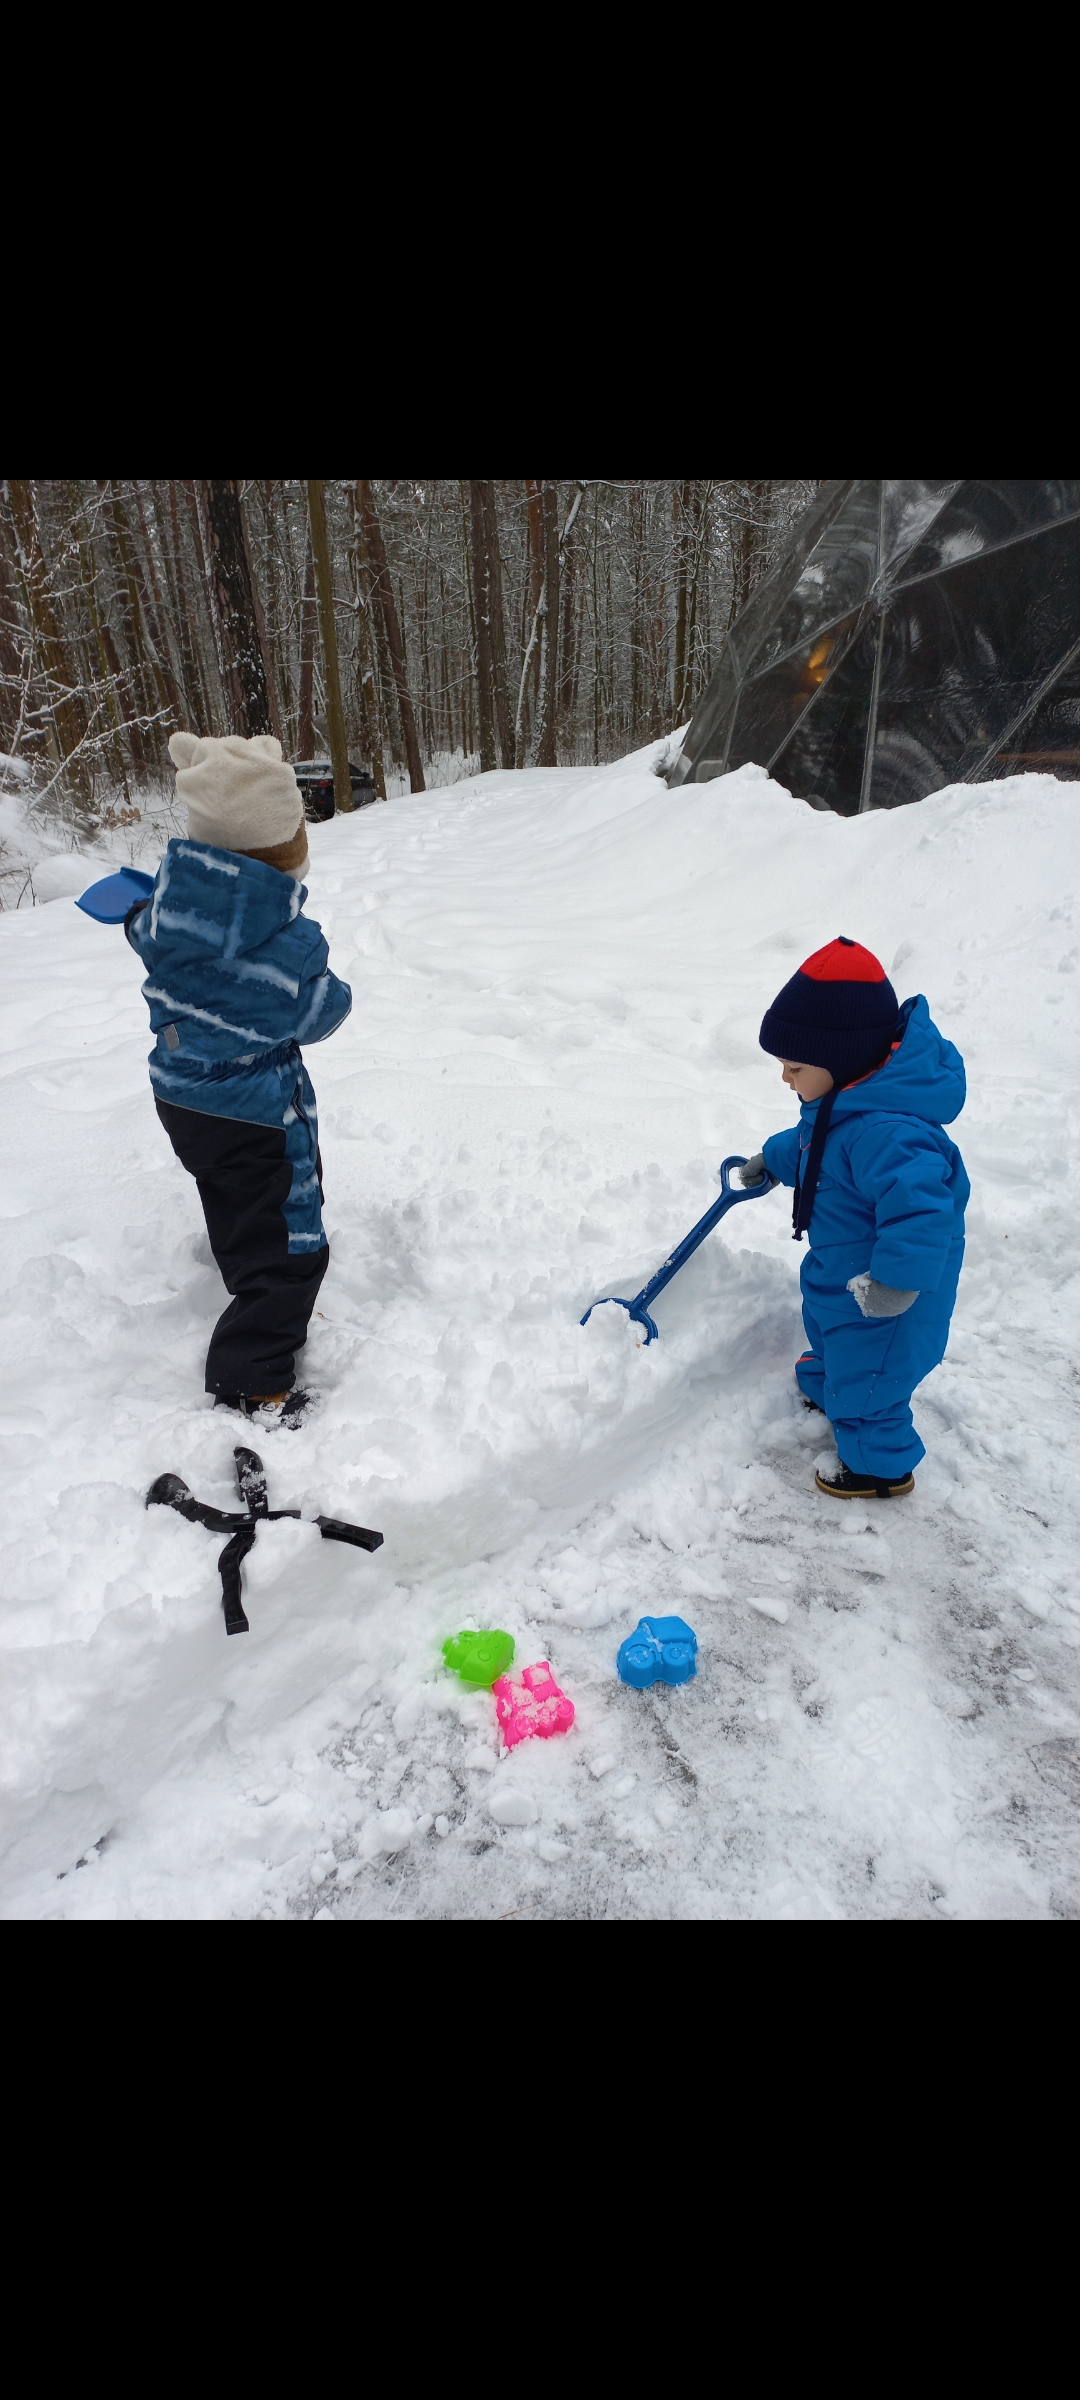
{"points": [[811, 1083]]}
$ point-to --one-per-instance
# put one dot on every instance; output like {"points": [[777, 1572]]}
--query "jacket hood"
{"points": [[215, 904], [924, 1077]]}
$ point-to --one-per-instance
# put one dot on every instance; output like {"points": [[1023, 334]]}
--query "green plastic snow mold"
{"points": [[479, 1657]]}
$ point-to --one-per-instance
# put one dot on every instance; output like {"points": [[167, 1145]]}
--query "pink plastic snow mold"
{"points": [[530, 1702]]}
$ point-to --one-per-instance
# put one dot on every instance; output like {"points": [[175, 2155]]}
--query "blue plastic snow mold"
{"points": [[110, 900], [663, 1650], [638, 1308]]}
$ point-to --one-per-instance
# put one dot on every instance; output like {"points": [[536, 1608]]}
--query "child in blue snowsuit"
{"points": [[881, 1191], [236, 979]]}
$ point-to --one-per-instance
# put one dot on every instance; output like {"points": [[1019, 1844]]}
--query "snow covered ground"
{"points": [[558, 979], [43, 859]]}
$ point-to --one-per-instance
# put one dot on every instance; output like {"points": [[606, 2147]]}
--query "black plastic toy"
{"points": [[170, 1491]]}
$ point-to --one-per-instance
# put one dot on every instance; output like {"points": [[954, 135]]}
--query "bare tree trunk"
{"points": [[427, 720], [127, 659], [691, 636], [566, 569], [383, 593], [484, 675], [324, 585], [144, 649], [238, 627], [468, 639], [532, 650], [497, 624], [11, 662], [535, 491], [446, 718], [386, 715], [162, 630], [747, 546], [278, 597], [125, 679], [196, 711], [545, 748], [60, 704], [393, 739], [260, 624], [542, 644], [209, 646], [636, 642], [680, 502], [528, 715], [700, 509], [154, 622], [365, 663], [566, 645], [88, 570], [596, 631], [305, 730], [369, 708]]}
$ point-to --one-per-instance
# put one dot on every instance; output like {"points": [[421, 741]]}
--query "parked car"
{"points": [[315, 777]]}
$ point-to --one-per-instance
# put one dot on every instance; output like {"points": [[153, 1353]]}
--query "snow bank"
{"points": [[558, 979], [42, 858]]}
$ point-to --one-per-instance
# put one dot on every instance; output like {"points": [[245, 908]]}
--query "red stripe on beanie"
{"points": [[843, 961]]}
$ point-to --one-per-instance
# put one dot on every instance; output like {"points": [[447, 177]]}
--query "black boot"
{"points": [[848, 1484], [278, 1408]]}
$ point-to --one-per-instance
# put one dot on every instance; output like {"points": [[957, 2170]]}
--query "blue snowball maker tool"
{"points": [[663, 1650], [638, 1308], [110, 900]]}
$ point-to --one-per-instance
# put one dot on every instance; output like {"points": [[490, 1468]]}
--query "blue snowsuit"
{"points": [[890, 1202], [237, 979]]}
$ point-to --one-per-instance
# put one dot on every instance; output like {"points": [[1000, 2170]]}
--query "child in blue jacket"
{"points": [[881, 1191], [236, 979]]}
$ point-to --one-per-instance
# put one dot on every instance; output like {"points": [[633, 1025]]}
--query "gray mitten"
{"points": [[754, 1171], [879, 1299]]}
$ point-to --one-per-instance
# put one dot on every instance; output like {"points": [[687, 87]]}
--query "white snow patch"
{"points": [[513, 1808]]}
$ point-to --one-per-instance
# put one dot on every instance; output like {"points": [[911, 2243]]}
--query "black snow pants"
{"points": [[244, 1177]]}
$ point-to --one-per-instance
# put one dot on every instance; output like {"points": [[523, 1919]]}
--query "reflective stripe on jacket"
{"points": [[236, 979]]}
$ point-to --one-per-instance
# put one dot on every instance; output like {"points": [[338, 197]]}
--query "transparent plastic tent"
{"points": [[912, 635]]}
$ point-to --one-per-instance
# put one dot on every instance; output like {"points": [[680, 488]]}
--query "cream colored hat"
{"points": [[242, 795]]}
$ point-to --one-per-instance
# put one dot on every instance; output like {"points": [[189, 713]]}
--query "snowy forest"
{"points": [[438, 629]]}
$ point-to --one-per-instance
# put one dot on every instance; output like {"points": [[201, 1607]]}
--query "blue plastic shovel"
{"points": [[110, 900], [639, 1307]]}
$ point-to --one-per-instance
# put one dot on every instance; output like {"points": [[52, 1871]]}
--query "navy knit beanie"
{"points": [[839, 1012]]}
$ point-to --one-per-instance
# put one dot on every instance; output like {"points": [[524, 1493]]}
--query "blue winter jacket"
{"points": [[892, 1190], [236, 979]]}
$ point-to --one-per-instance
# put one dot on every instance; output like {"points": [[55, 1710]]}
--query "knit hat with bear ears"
{"points": [[241, 795]]}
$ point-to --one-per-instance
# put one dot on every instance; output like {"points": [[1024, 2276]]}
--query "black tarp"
{"points": [[912, 635]]}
